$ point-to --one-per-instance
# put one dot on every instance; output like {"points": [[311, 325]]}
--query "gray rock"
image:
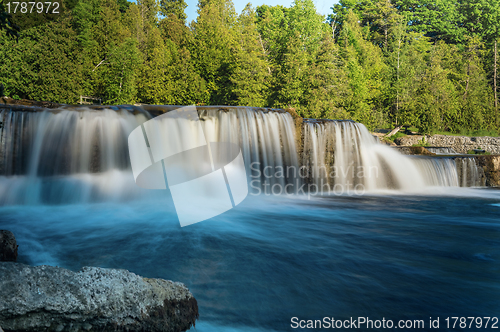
{"points": [[46, 298], [461, 144], [8, 247]]}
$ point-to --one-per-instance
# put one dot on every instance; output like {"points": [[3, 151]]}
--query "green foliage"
{"points": [[251, 72], [426, 64], [6, 22], [43, 49], [213, 48], [173, 8], [396, 136], [366, 73], [485, 153], [423, 142]]}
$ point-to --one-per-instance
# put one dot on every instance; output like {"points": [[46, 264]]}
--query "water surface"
{"points": [[271, 259]]}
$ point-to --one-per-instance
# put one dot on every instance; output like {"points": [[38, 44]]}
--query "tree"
{"points": [[289, 80], [491, 18], [6, 22], [366, 72], [119, 78], [435, 19], [326, 83], [437, 99], [174, 8], [213, 48], [155, 85], [382, 17], [43, 64], [476, 111], [251, 73]]}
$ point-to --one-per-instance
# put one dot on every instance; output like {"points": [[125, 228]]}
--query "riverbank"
{"points": [[461, 144]]}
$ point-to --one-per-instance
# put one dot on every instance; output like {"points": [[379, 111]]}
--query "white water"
{"points": [[68, 156], [441, 150], [343, 154]]}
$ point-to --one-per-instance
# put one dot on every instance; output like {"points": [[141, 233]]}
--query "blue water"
{"points": [[271, 259]]}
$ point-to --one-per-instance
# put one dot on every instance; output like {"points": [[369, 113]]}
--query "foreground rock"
{"points": [[8, 247], [46, 298]]}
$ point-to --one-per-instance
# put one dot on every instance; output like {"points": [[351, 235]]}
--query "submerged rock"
{"points": [[8, 247], [46, 298]]}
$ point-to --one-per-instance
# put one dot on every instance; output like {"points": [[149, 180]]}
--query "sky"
{"points": [[322, 6]]}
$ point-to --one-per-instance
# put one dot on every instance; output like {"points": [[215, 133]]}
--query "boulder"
{"points": [[8, 247], [47, 298]]}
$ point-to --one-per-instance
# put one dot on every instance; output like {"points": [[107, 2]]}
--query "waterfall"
{"points": [[267, 141], [65, 142], [441, 150], [80, 154], [470, 174], [343, 155], [63, 155], [438, 171]]}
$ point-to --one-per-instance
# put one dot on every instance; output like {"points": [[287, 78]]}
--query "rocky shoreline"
{"points": [[461, 144], [48, 298]]}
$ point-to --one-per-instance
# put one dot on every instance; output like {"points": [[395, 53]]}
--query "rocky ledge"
{"points": [[461, 144], [491, 167], [47, 298], [25, 102]]}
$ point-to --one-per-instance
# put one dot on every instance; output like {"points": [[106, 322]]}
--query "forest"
{"points": [[427, 64]]}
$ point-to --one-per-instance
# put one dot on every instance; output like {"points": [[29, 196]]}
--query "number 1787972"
{"points": [[32, 7]]}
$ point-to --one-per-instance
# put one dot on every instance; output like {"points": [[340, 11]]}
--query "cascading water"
{"points": [[441, 150], [267, 140], [270, 258], [65, 155], [470, 174], [343, 155], [81, 154], [438, 171]]}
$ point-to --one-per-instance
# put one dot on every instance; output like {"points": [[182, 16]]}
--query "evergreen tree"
{"points": [[326, 83], [251, 73], [437, 99], [43, 65], [187, 86], [477, 106], [174, 8], [290, 78], [366, 71], [213, 49]]}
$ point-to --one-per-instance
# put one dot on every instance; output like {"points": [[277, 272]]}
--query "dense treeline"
{"points": [[432, 65]]}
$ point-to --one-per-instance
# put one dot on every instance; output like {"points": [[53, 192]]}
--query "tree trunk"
{"points": [[495, 82], [468, 80], [397, 89], [264, 51], [394, 131], [386, 40]]}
